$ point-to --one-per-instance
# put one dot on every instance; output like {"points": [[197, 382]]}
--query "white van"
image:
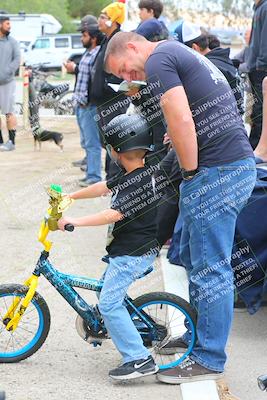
{"points": [[52, 50]]}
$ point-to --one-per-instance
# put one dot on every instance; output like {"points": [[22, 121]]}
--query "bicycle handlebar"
{"points": [[69, 227]]}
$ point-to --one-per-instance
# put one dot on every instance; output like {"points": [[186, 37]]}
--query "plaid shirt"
{"points": [[81, 89]]}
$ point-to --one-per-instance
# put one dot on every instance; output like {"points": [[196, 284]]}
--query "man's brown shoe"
{"points": [[187, 371]]}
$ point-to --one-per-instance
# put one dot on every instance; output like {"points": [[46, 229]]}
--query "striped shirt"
{"points": [[81, 89]]}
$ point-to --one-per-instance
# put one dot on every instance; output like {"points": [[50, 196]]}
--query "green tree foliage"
{"points": [[79, 8], [227, 6]]}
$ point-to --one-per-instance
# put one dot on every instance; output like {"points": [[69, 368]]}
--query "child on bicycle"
{"points": [[132, 245]]}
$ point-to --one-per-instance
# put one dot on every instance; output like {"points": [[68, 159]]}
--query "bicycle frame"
{"points": [[63, 283]]}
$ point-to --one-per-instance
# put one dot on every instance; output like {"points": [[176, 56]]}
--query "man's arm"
{"points": [[181, 127], [96, 190], [15, 63]]}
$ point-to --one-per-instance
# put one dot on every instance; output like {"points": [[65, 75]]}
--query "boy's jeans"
{"points": [[90, 141], [209, 206], [120, 274]]}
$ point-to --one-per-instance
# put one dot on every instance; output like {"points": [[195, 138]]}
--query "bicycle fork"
{"points": [[12, 317]]}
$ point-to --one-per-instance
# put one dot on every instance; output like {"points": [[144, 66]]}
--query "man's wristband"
{"points": [[187, 175]]}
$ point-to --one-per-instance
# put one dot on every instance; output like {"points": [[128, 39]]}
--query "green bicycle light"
{"points": [[56, 188]]}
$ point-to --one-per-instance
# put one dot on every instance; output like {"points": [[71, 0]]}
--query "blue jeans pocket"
{"points": [[237, 184], [195, 181]]}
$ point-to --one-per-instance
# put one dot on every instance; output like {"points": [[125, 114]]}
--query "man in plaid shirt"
{"points": [[81, 88], [86, 112]]}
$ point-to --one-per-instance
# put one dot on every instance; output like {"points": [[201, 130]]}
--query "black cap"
{"points": [[88, 24], [3, 18]]}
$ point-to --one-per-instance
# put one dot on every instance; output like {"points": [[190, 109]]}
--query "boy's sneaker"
{"points": [[134, 369], [173, 346], [9, 146], [188, 371]]}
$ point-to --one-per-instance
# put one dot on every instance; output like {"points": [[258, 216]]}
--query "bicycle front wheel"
{"points": [[161, 317], [33, 327]]}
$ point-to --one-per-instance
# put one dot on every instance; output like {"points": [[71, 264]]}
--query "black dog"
{"points": [[44, 135]]}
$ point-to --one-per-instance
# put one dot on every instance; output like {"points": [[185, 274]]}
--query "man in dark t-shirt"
{"points": [[218, 171]]}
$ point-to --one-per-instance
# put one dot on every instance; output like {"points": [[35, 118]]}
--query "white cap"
{"points": [[185, 32]]}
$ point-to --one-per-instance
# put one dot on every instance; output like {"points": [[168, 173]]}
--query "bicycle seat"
{"points": [[150, 269], [56, 89]]}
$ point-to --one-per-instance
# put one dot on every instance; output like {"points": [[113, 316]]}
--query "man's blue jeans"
{"points": [[120, 274], [209, 206], [90, 141]]}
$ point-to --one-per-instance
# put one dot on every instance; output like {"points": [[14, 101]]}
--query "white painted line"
{"points": [[176, 282], [202, 390], [174, 277]]}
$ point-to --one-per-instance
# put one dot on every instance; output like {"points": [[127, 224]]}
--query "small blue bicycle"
{"points": [[25, 316]]}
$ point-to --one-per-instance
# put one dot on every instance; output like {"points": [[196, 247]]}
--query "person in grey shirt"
{"points": [[9, 63]]}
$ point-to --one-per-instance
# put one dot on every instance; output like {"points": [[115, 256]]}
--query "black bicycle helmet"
{"points": [[129, 132]]}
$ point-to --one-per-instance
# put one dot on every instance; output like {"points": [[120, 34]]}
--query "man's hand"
{"points": [[70, 66], [166, 139], [133, 90]]}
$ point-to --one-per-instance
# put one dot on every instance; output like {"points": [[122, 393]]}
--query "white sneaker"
{"points": [[8, 146]]}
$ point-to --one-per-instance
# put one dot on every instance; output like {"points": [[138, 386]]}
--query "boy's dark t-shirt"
{"points": [[135, 195], [220, 131]]}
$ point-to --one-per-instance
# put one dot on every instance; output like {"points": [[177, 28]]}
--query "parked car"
{"points": [[53, 50]]}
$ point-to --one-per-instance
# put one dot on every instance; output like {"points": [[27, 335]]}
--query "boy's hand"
{"points": [[64, 221]]}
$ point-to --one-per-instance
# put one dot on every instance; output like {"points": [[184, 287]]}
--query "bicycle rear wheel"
{"points": [[32, 330], [64, 105], [170, 317]]}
